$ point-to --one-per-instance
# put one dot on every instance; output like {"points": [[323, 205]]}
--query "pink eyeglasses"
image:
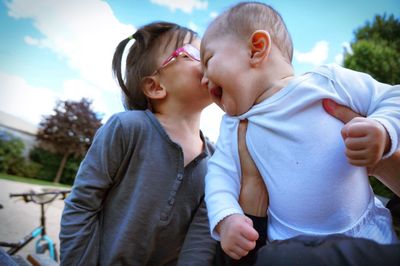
{"points": [[188, 50]]}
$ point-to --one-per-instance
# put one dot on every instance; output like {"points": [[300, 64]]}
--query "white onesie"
{"points": [[300, 154]]}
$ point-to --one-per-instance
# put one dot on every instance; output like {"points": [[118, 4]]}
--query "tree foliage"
{"points": [[376, 49], [69, 131]]}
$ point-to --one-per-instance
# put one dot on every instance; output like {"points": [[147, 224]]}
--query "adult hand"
{"points": [[387, 170], [253, 196]]}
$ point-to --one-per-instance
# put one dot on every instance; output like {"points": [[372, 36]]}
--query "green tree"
{"points": [[376, 49], [69, 131]]}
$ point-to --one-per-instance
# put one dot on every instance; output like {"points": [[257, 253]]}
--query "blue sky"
{"points": [[62, 49]]}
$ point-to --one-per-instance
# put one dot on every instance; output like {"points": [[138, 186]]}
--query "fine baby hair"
{"points": [[149, 41], [246, 17]]}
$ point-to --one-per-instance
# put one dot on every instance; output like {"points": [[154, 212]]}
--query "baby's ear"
{"points": [[152, 88], [260, 46]]}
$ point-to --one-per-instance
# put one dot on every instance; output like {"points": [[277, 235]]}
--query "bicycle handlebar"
{"points": [[29, 196]]}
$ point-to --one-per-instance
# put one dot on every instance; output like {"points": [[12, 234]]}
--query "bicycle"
{"points": [[44, 243]]}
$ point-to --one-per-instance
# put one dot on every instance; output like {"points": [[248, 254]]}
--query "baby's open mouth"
{"points": [[216, 92]]}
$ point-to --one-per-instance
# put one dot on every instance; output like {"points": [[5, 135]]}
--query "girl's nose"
{"points": [[204, 81]]}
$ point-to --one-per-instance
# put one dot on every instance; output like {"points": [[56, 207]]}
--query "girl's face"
{"points": [[225, 63], [181, 76]]}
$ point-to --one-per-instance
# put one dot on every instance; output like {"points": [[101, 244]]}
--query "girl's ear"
{"points": [[152, 88], [260, 46]]}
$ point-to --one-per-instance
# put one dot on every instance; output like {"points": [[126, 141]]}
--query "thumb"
{"points": [[341, 112]]}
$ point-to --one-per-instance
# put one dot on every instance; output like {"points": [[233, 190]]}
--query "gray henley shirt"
{"points": [[133, 201]]}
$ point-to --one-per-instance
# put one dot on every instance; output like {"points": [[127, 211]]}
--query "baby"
{"points": [[315, 173]]}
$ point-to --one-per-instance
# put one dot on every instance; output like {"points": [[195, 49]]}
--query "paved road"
{"points": [[18, 218]]}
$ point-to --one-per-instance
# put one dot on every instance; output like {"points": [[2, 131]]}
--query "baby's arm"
{"points": [[374, 100], [237, 235], [222, 182], [366, 141], [386, 170]]}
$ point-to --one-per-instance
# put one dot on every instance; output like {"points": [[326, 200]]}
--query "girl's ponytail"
{"points": [[116, 64]]}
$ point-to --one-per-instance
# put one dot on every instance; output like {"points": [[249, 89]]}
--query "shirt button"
{"points": [[179, 177]]}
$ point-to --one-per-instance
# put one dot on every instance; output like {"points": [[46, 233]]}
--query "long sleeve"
{"points": [[80, 233], [369, 97], [198, 248], [223, 176]]}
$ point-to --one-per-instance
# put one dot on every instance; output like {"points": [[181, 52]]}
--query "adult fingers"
{"points": [[341, 112]]}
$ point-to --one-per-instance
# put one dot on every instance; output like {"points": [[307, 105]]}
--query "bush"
{"points": [[11, 149], [22, 167]]}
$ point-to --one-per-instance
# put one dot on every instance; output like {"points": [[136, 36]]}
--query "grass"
{"points": [[31, 181]]}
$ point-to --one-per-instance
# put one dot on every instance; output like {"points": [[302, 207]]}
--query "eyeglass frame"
{"points": [[187, 49]]}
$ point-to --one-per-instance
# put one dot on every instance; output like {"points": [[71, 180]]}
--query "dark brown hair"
{"points": [[141, 60], [246, 17]]}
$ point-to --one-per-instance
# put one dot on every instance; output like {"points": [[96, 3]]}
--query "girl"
{"points": [[138, 195]]}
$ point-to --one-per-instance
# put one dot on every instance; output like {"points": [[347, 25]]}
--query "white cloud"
{"points": [[84, 33], [317, 55], [193, 26], [186, 6], [213, 15], [339, 59], [346, 50], [31, 41], [17, 97], [77, 89], [347, 47]]}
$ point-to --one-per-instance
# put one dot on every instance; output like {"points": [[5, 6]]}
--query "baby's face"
{"points": [[225, 65]]}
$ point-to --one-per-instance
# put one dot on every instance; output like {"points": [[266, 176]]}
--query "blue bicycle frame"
{"points": [[44, 238], [44, 242]]}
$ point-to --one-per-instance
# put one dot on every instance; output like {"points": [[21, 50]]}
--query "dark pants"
{"points": [[306, 250], [330, 250]]}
